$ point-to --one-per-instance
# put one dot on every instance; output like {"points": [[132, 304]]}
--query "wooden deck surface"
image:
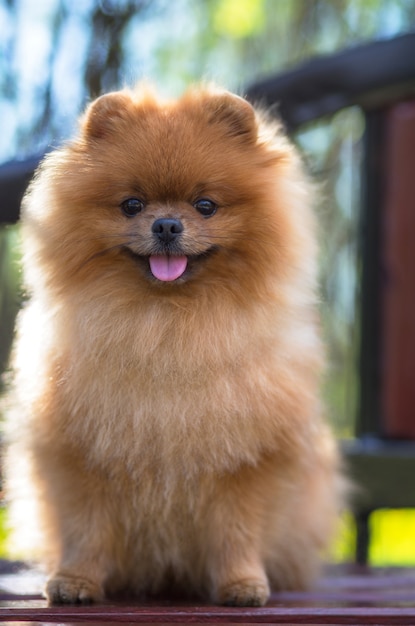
{"points": [[358, 597]]}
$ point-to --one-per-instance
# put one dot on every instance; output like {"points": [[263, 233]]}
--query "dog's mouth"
{"points": [[168, 268]]}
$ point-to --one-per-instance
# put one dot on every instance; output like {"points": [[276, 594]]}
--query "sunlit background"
{"points": [[55, 55]]}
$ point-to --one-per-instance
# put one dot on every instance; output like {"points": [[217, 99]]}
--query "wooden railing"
{"points": [[380, 79]]}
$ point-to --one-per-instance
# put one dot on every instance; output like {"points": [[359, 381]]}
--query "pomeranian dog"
{"points": [[168, 364]]}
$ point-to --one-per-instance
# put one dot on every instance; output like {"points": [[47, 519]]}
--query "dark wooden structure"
{"points": [[380, 78]]}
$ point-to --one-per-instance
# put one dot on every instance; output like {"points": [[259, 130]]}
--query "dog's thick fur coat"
{"points": [[173, 428]]}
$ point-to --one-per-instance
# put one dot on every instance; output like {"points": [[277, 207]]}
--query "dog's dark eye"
{"points": [[132, 206], [206, 207]]}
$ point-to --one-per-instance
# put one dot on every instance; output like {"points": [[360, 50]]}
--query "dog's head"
{"points": [[171, 193]]}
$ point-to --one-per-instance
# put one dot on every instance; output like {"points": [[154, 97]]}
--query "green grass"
{"points": [[3, 532], [344, 545], [392, 538]]}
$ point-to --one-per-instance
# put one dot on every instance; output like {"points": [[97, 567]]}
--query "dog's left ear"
{"points": [[235, 114], [103, 116]]}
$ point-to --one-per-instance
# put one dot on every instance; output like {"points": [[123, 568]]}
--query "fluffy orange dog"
{"points": [[170, 401]]}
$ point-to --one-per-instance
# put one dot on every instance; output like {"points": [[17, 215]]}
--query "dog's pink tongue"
{"points": [[168, 268]]}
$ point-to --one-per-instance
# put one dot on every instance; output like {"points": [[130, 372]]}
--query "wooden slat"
{"points": [[398, 289], [211, 615], [370, 75]]}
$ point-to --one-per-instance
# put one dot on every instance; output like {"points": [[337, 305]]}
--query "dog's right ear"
{"points": [[103, 116], [235, 114]]}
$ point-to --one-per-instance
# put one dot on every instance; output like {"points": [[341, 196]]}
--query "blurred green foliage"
{"points": [[9, 291], [239, 19], [3, 533]]}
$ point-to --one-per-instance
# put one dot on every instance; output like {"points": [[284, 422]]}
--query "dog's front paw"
{"points": [[247, 592], [67, 589]]}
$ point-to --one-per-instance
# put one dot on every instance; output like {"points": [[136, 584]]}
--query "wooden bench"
{"points": [[353, 596]]}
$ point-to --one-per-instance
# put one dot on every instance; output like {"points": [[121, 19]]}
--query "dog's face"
{"points": [[172, 197], [168, 194]]}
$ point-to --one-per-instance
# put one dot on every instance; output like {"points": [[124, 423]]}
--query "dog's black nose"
{"points": [[167, 229]]}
